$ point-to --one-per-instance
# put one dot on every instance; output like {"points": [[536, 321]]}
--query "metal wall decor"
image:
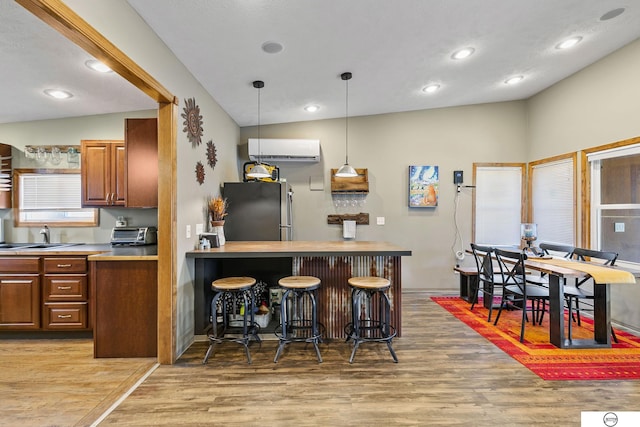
{"points": [[192, 122], [200, 173], [212, 157]]}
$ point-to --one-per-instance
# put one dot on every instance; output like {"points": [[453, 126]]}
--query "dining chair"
{"points": [[489, 281], [546, 249], [517, 293], [566, 251], [577, 292]]}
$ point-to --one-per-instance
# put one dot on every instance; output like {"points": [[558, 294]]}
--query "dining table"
{"points": [[560, 269]]}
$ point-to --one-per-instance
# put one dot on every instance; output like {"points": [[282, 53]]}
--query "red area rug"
{"points": [[621, 362]]}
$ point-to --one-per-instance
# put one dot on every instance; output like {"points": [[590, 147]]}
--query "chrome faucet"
{"points": [[45, 234]]}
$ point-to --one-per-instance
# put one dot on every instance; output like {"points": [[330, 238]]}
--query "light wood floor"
{"points": [[59, 383], [447, 375]]}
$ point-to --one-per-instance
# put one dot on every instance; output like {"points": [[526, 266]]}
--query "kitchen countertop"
{"points": [[93, 251], [277, 249]]}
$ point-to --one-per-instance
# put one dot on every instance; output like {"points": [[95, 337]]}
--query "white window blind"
{"points": [[498, 205], [553, 203], [50, 191]]}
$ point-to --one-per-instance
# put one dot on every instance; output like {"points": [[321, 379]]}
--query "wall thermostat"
{"points": [[457, 177]]}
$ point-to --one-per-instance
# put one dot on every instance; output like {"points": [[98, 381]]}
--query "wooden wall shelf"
{"points": [[357, 184], [360, 218]]}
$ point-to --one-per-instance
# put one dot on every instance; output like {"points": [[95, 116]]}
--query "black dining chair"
{"points": [[517, 293], [553, 249], [489, 281], [579, 292], [566, 251]]}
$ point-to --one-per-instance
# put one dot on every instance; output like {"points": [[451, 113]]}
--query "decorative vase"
{"points": [[218, 228]]}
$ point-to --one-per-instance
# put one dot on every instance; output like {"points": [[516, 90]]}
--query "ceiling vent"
{"points": [[284, 150]]}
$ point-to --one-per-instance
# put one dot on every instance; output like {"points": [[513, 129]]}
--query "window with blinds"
{"points": [[498, 204], [51, 197], [553, 200]]}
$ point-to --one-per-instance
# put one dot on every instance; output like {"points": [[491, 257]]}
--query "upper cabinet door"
{"points": [[102, 162], [141, 142]]}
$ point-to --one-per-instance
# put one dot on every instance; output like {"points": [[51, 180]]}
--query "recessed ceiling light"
{"points": [[311, 108], [431, 88], [272, 47], [96, 65], [58, 94], [612, 14], [513, 80], [463, 53], [569, 43]]}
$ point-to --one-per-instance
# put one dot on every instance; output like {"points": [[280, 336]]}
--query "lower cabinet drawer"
{"points": [[65, 315], [61, 287]]}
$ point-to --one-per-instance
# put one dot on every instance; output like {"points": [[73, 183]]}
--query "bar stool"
{"points": [[367, 329], [294, 322], [233, 288]]}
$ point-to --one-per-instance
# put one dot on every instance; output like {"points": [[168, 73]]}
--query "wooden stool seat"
{"points": [[233, 283], [370, 282], [299, 282]]}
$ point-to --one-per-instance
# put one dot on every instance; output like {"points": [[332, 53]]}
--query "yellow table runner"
{"points": [[599, 273]]}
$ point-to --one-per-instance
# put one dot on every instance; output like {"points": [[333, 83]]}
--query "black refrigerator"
{"points": [[258, 211]]}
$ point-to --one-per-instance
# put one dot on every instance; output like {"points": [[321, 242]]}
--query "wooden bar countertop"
{"points": [[278, 249]]}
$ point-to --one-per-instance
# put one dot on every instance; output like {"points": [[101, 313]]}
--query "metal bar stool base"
{"points": [[294, 327], [365, 330], [233, 288]]}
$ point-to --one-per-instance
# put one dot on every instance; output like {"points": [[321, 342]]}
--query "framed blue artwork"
{"points": [[423, 186]]}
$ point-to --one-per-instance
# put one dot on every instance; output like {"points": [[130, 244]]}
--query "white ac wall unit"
{"points": [[284, 150]]}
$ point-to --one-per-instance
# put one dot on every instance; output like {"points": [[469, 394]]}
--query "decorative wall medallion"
{"points": [[200, 173], [212, 158], [192, 121]]}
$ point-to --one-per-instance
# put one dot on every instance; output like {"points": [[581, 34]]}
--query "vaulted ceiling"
{"points": [[393, 48]]}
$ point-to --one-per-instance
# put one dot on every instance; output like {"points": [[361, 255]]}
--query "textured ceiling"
{"points": [[392, 47]]}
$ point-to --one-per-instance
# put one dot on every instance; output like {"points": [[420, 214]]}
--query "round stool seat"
{"points": [[370, 282], [233, 283], [299, 282]]}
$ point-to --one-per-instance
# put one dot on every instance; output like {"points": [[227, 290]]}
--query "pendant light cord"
{"points": [[346, 127], [346, 77], [259, 84]]}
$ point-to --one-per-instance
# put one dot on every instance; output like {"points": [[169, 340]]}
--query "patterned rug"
{"points": [[620, 362]]}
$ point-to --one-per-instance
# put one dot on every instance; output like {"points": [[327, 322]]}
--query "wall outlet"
{"points": [[380, 220], [199, 229], [619, 227], [188, 231]]}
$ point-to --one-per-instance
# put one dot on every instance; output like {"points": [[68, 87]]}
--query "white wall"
{"points": [[451, 138], [119, 23], [595, 106]]}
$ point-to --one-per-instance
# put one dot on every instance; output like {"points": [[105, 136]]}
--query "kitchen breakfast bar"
{"points": [[332, 262]]}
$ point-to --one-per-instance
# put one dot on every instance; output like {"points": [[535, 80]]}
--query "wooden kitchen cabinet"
{"points": [[126, 308], [65, 294], [20, 293], [141, 179], [103, 173]]}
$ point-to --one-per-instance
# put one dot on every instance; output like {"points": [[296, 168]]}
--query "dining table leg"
{"points": [[602, 314], [556, 311]]}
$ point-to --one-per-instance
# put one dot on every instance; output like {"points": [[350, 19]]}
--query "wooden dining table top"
{"points": [[600, 273]]}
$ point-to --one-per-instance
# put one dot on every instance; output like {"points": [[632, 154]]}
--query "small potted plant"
{"points": [[217, 212]]}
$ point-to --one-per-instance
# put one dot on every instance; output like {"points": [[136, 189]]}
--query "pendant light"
{"points": [[259, 170], [346, 170]]}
